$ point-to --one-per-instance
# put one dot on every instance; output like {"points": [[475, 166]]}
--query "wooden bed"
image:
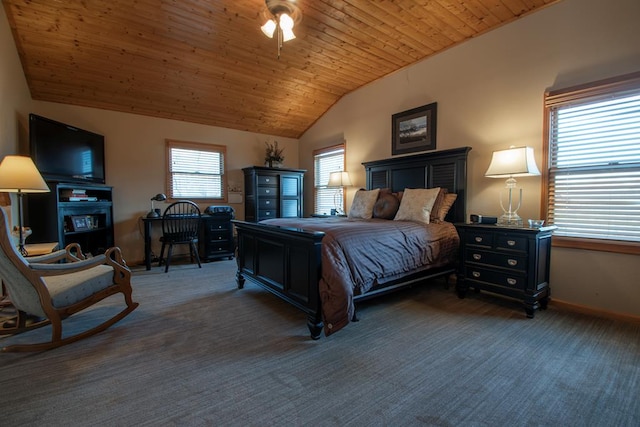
{"points": [[287, 261]]}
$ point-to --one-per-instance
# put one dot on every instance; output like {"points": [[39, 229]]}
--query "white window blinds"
{"points": [[594, 163], [325, 162], [195, 171]]}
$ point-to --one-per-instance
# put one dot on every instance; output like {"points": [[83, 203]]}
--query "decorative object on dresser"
{"points": [[338, 180], [511, 163], [273, 155], [510, 261], [288, 260], [272, 193], [18, 174], [414, 130]]}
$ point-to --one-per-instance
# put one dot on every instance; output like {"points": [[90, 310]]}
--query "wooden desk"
{"points": [[148, 222]]}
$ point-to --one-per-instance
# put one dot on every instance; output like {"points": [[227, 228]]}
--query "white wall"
{"points": [[490, 92]]}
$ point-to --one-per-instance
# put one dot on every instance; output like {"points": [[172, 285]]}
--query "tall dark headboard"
{"points": [[445, 168]]}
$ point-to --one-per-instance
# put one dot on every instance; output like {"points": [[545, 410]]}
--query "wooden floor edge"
{"points": [[594, 311]]}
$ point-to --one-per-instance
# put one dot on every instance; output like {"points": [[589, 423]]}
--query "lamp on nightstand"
{"points": [[339, 180], [18, 174], [511, 163]]}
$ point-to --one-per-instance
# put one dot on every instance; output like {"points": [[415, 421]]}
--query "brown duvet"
{"points": [[359, 254]]}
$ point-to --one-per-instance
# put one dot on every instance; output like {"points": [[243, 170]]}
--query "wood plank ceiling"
{"points": [[206, 61]]}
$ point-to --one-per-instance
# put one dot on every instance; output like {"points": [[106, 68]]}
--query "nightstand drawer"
{"points": [[511, 242], [510, 261], [479, 238], [514, 281]]}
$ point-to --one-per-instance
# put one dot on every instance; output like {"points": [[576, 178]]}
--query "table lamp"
{"points": [[158, 198], [339, 180], [18, 174], [511, 163]]}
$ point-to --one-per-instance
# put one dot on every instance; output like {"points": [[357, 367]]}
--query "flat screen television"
{"points": [[66, 153]]}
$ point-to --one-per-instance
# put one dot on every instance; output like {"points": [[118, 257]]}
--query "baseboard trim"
{"points": [[594, 311]]}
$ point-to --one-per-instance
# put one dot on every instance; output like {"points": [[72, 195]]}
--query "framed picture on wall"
{"points": [[414, 130]]}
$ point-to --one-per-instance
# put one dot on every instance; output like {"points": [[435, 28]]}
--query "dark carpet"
{"points": [[198, 351]]}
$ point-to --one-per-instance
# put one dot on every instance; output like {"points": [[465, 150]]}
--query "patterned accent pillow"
{"points": [[446, 204], [437, 204], [363, 202], [416, 204], [386, 206]]}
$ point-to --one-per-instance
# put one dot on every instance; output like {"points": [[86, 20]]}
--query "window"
{"points": [[195, 171], [327, 160], [593, 165]]}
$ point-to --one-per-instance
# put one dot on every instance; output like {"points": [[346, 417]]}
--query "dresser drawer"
{"points": [[268, 191], [266, 214], [514, 281], [267, 180], [479, 238], [267, 203], [509, 261]]}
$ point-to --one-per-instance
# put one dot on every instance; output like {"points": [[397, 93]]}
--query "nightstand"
{"points": [[513, 262]]}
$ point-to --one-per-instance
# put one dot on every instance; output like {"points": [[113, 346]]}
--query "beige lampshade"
{"points": [[513, 162], [339, 179], [19, 174]]}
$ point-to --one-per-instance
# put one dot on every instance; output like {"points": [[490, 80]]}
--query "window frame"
{"points": [[554, 98], [321, 151], [198, 146]]}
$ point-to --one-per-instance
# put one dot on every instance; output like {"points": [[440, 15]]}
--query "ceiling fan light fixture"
{"points": [[280, 18], [269, 28]]}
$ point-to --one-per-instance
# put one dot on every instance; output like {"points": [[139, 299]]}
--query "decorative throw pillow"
{"points": [[416, 204], [446, 204], [362, 206], [436, 205], [386, 206]]}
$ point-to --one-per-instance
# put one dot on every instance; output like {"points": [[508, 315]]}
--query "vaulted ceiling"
{"points": [[207, 61]]}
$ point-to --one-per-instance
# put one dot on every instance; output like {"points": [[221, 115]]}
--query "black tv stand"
{"points": [[72, 213]]}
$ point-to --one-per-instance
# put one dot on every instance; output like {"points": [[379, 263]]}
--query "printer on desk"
{"points": [[219, 210]]}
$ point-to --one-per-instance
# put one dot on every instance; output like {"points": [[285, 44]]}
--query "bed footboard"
{"points": [[284, 261]]}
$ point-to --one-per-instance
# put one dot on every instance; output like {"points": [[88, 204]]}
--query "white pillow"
{"points": [[362, 206], [416, 204]]}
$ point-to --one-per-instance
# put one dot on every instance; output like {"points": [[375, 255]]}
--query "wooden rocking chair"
{"points": [[40, 288]]}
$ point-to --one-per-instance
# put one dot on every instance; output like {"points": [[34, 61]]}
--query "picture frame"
{"points": [[414, 130], [80, 223]]}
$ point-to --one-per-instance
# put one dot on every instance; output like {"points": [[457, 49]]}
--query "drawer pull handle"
{"points": [[477, 257], [512, 262], [268, 213], [478, 239], [511, 242], [475, 274], [512, 281], [267, 191], [267, 180], [267, 202]]}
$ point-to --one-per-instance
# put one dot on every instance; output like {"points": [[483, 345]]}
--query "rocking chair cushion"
{"points": [[71, 288]]}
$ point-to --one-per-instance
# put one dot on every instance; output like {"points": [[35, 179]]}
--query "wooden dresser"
{"points": [[272, 193], [513, 262]]}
